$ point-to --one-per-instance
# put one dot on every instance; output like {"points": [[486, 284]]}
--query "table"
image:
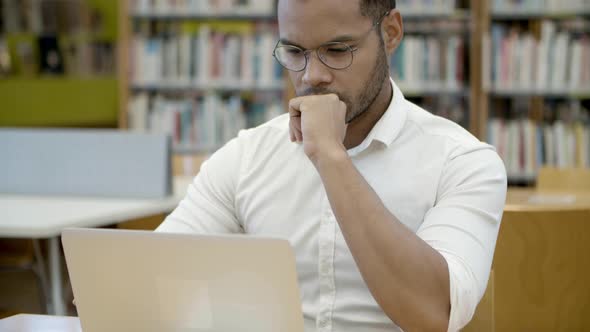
{"points": [[40, 323], [522, 200], [541, 265], [44, 217]]}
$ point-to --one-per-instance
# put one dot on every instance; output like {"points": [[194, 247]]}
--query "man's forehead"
{"points": [[317, 21], [319, 9]]}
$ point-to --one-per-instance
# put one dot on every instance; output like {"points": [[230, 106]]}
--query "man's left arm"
{"points": [[418, 278], [429, 281]]}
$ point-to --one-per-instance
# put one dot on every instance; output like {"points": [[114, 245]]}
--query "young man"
{"points": [[393, 213]]}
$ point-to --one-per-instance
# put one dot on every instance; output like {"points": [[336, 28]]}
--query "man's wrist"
{"points": [[328, 158]]}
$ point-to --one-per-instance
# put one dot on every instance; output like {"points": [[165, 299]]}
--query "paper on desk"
{"points": [[552, 199]]}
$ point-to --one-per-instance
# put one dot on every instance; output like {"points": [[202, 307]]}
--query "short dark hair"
{"points": [[376, 8]]}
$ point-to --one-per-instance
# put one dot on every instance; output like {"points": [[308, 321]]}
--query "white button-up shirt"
{"points": [[434, 176]]}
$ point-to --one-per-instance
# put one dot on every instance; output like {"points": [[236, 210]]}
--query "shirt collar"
{"points": [[388, 128]]}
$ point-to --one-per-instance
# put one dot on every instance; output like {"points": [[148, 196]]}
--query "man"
{"points": [[393, 213]]}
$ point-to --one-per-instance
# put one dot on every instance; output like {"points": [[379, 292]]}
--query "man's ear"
{"points": [[392, 30]]}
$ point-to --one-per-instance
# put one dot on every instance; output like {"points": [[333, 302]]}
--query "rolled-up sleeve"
{"points": [[209, 205], [463, 226]]}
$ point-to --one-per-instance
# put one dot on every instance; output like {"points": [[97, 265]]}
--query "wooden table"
{"points": [[40, 323], [523, 200], [540, 277]]}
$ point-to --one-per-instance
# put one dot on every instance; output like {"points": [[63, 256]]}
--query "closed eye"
{"points": [[338, 50]]}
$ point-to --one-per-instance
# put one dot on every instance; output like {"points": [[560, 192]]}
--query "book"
{"points": [[5, 59], [50, 55]]}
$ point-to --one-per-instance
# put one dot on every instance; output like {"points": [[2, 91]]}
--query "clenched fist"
{"points": [[318, 122]]}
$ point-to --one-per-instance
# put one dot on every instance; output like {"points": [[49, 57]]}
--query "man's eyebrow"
{"points": [[285, 41], [343, 38]]}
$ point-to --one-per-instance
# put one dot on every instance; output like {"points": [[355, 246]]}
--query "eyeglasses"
{"points": [[335, 55]]}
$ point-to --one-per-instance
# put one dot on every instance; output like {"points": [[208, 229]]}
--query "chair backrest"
{"points": [[108, 163], [563, 179]]}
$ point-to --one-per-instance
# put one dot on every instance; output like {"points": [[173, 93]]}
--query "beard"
{"points": [[357, 105]]}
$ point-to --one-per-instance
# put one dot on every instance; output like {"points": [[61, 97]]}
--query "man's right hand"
{"points": [[318, 122]]}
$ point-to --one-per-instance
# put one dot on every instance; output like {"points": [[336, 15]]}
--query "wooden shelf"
{"points": [[525, 179], [190, 150], [549, 93], [415, 90], [414, 14], [192, 87], [519, 14]]}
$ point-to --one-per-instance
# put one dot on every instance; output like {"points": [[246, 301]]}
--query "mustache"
{"points": [[317, 91], [314, 91]]}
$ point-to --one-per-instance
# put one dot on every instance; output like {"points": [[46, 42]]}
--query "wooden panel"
{"points": [[187, 165], [16, 253], [480, 22], [148, 223], [541, 272], [523, 199], [563, 179]]}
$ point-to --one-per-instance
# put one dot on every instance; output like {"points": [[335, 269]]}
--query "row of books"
{"points": [[206, 57], [433, 6], [48, 16], [541, 5], [561, 141], [435, 26], [430, 63], [28, 55], [525, 146], [450, 107], [205, 7], [560, 60], [203, 123], [260, 7]]}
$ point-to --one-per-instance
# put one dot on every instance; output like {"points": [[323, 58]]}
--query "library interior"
{"points": [[108, 109]]}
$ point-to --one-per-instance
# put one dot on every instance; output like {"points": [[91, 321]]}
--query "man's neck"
{"points": [[360, 127]]}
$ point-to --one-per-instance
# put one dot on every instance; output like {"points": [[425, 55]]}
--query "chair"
{"points": [[18, 255]]}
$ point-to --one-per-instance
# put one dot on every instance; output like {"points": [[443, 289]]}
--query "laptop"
{"points": [[146, 281]]}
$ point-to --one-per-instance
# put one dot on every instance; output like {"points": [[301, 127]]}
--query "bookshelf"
{"points": [[162, 18], [431, 66], [537, 85], [453, 78], [199, 71], [58, 63]]}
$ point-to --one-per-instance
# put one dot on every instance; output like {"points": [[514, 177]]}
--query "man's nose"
{"points": [[316, 72]]}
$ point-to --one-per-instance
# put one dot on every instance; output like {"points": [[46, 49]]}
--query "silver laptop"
{"points": [[146, 281]]}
